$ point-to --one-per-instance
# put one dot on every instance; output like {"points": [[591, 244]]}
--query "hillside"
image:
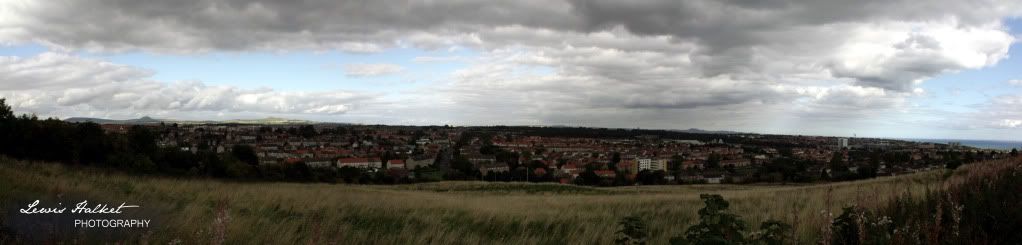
{"points": [[445, 212]]}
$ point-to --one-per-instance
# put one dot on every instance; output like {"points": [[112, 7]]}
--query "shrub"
{"points": [[772, 232], [845, 228], [633, 231], [718, 226]]}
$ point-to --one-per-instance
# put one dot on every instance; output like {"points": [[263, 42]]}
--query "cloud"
{"points": [[1010, 123], [371, 70], [662, 60], [59, 70], [1016, 82], [87, 86], [998, 112]]}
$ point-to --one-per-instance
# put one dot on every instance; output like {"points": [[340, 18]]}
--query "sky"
{"points": [[883, 68]]}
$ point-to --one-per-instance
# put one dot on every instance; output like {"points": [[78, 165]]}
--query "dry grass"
{"points": [[198, 211]]}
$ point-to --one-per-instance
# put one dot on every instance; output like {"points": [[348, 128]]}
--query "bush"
{"points": [[633, 231], [718, 226], [773, 232], [845, 228]]}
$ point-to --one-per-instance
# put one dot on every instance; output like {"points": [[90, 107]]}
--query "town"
{"points": [[604, 157]]}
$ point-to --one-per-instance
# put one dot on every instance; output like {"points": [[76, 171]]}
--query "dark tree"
{"points": [[5, 110], [307, 131], [713, 161], [142, 140], [92, 146], [462, 165], [245, 153]]}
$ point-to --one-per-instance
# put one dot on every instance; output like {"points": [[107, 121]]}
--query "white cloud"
{"points": [[59, 70], [70, 86], [1010, 123], [371, 70]]}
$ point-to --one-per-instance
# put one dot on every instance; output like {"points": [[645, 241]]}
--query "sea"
{"points": [[983, 144]]}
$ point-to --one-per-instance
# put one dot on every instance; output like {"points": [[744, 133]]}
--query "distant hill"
{"points": [[142, 120], [700, 131], [149, 120], [690, 131], [270, 120], [146, 120]]}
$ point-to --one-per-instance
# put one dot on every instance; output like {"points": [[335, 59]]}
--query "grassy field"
{"points": [[197, 211]]}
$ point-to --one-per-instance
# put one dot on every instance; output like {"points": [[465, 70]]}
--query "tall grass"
{"points": [[193, 211], [977, 205]]}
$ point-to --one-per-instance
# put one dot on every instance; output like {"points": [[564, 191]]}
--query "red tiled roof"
{"points": [[605, 173]]}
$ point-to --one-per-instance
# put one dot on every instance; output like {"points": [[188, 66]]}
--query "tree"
{"points": [[298, 171], [178, 161], [588, 177], [463, 166], [307, 131], [713, 161], [837, 159], [866, 172], [675, 165], [5, 110], [1014, 152], [142, 140], [245, 153], [647, 177], [91, 145]]}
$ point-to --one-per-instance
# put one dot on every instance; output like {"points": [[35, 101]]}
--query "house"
{"points": [[692, 178], [628, 166], [691, 164], [358, 162], [741, 162], [480, 159], [488, 168], [319, 163], [267, 161], [570, 168], [608, 174], [328, 153], [713, 179], [395, 163], [418, 161], [302, 153]]}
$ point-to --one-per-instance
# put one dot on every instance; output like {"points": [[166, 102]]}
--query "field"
{"points": [[197, 211]]}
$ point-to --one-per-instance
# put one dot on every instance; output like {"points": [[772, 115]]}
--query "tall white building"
{"points": [[842, 143], [652, 164], [644, 163]]}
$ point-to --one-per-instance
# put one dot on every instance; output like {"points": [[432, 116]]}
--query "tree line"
{"points": [[27, 137]]}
